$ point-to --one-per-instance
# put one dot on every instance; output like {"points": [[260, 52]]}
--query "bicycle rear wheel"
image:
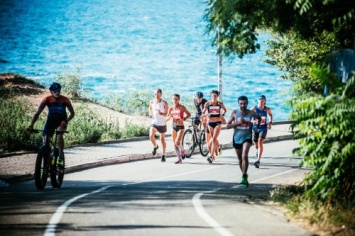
{"points": [[188, 142], [57, 172], [41, 168], [203, 144]]}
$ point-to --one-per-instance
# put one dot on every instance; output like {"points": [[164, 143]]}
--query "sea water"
{"points": [[125, 45]]}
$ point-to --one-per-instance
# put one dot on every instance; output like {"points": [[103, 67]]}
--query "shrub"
{"points": [[72, 84], [327, 142]]}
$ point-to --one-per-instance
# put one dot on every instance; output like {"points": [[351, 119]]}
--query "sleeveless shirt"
{"points": [[263, 114], [158, 119], [244, 131]]}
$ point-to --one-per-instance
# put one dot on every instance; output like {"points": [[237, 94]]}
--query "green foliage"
{"points": [[72, 84], [136, 102], [14, 119], [87, 127], [295, 56], [233, 24], [132, 130], [327, 141]]}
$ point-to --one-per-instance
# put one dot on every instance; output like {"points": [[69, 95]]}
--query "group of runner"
{"points": [[250, 125], [210, 113]]}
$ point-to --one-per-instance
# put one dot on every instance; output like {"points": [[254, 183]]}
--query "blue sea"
{"points": [[125, 45]]}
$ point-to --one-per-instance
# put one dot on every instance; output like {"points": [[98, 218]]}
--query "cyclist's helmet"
{"points": [[199, 95], [55, 87]]}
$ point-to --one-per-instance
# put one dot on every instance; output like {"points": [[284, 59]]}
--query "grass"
{"points": [[86, 127], [319, 217]]}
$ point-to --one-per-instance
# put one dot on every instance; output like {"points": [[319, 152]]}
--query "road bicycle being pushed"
{"points": [[195, 136], [47, 163]]}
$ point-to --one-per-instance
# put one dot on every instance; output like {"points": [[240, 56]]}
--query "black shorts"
{"points": [[197, 121], [161, 129], [261, 134], [240, 145], [177, 128], [214, 124], [52, 123]]}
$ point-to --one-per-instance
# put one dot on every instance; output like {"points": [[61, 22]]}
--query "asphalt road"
{"points": [[154, 198]]}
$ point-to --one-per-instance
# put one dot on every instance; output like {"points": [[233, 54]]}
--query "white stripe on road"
{"points": [[52, 225], [50, 230], [196, 201]]}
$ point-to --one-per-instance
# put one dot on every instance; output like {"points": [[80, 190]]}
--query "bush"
{"points": [[327, 142], [15, 116], [87, 127], [72, 84]]}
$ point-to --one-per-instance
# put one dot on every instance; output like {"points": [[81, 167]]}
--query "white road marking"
{"points": [[196, 201], [52, 225]]}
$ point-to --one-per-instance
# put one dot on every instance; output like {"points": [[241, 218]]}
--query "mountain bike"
{"points": [[195, 136], [46, 163]]}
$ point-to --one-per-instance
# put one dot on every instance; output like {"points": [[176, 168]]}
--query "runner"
{"points": [[200, 102], [240, 120], [158, 110], [176, 112], [260, 134], [215, 111]]}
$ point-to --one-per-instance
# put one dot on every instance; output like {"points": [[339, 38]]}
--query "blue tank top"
{"points": [[263, 114], [242, 132]]}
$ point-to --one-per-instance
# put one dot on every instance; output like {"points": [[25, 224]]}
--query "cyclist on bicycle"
{"points": [[57, 116], [199, 102]]}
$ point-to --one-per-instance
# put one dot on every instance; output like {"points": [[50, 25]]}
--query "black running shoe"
{"points": [[257, 164], [209, 159], [155, 150], [163, 158]]}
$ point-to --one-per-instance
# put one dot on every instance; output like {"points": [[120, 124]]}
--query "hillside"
{"points": [[34, 93]]}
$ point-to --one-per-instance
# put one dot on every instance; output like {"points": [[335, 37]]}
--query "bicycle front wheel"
{"points": [[57, 172], [203, 144], [188, 142], [41, 168]]}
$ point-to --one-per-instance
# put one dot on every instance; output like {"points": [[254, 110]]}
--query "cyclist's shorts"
{"points": [[52, 124], [197, 121]]}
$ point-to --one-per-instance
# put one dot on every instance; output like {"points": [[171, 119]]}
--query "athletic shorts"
{"points": [[161, 129], [177, 128], [197, 121], [52, 123], [261, 134], [214, 124], [240, 145]]}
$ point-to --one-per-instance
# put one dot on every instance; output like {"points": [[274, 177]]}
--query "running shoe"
{"points": [[183, 155], [163, 158], [257, 164], [244, 181], [155, 150], [209, 159], [220, 150], [179, 161]]}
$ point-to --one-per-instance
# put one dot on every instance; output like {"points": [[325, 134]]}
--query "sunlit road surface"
{"points": [[154, 198]]}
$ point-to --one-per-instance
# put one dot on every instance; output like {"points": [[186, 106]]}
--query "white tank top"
{"points": [[158, 120]]}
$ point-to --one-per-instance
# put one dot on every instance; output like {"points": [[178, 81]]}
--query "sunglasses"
{"points": [[56, 91]]}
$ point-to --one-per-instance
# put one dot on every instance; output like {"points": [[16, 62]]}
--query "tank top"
{"points": [[242, 132], [263, 114], [214, 110], [158, 119], [177, 113]]}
